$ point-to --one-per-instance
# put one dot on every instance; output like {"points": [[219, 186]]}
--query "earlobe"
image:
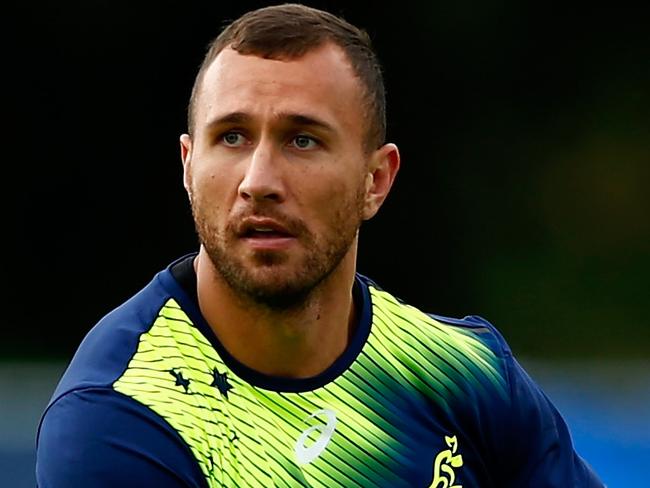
{"points": [[186, 147], [186, 158], [383, 168]]}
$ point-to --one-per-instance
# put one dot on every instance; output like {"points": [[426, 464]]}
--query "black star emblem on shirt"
{"points": [[180, 381], [221, 382]]}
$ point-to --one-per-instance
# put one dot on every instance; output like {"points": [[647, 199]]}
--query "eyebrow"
{"points": [[230, 118], [292, 118], [306, 121]]}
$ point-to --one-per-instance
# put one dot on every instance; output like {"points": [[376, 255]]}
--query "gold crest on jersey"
{"points": [[444, 465]]}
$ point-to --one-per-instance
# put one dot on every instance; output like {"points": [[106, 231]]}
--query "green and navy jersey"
{"points": [[151, 398]]}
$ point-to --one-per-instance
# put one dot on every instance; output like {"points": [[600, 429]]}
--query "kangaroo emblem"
{"points": [[445, 463]]}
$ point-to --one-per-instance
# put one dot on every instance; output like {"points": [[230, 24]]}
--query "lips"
{"points": [[263, 228], [261, 234]]}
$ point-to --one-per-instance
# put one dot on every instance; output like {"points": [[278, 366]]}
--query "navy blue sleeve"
{"points": [[100, 438], [540, 445]]}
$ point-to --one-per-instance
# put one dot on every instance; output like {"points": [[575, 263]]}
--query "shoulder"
{"points": [[466, 366], [460, 361], [480, 328], [89, 427], [415, 324], [107, 348]]}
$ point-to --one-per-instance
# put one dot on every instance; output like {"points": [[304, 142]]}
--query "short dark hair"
{"points": [[292, 30]]}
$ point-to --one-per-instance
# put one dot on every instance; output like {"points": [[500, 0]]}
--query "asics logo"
{"points": [[305, 454]]}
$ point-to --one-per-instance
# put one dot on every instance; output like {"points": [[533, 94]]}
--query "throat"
{"points": [[295, 345], [298, 341]]}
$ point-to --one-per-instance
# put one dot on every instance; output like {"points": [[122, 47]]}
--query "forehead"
{"points": [[320, 83]]}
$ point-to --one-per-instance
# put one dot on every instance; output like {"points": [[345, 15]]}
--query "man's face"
{"points": [[276, 171]]}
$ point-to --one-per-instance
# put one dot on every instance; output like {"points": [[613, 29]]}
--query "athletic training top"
{"points": [[151, 398]]}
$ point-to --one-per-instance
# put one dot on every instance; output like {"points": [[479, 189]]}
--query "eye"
{"points": [[304, 142], [233, 139]]}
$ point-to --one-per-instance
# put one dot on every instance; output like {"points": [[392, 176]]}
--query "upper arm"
{"points": [[540, 439], [100, 438], [527, 436]]}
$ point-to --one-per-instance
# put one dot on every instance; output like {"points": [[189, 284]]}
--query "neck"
{"points": [[296, 343]]}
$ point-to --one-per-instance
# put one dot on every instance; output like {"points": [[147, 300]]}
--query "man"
{"points": [[264, 359]]}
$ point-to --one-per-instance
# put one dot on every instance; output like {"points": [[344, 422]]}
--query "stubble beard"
{"points": [[267, 279]]}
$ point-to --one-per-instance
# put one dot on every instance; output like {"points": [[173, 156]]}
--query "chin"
{"points": [[276, 292], [277, 279]]}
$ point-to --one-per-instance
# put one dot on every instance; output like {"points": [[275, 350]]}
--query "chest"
{"points": [[348, 434]]}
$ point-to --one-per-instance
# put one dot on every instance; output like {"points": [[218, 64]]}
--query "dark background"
{"points": [[524, 129]]}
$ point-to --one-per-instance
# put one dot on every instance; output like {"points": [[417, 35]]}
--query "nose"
{"points": [[263, 178]]}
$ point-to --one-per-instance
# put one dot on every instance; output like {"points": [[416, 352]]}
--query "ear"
{"points": [[383, 167], [186, 158]]}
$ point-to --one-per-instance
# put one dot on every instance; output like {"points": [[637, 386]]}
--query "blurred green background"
{"points": [[524, 129]]}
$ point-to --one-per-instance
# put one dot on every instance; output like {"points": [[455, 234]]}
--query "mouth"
{"points": [[265, 234], [263, 229]]}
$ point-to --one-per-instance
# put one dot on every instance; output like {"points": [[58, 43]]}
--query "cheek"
{"points": [[212, 186], [208, 197], [319, 190], [333, 202]]}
